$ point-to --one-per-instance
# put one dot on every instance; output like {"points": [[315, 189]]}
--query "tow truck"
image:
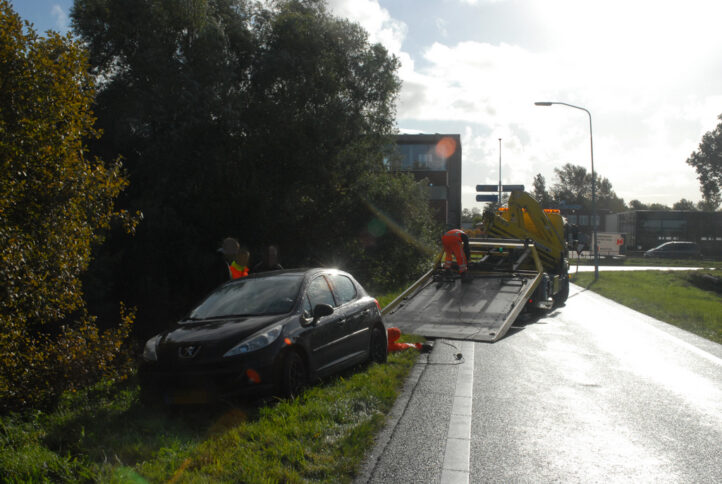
{"points": [[521, 265]]}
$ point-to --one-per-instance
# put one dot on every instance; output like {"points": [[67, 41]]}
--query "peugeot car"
{"points": [[270, 332]]}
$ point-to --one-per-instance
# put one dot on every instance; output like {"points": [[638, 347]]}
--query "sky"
{"points": [[648, 71]]}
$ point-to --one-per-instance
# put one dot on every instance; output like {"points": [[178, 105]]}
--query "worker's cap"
{"points": [[229, 246]]}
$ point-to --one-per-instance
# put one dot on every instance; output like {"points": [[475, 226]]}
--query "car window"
{"points": [[319, 293], [251, 297], [343, 288], [307, 308]]}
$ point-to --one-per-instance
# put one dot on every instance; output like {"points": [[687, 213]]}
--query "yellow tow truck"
{"points": [[522, 263]]}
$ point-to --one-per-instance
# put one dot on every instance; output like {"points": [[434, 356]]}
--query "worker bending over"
{"points": [[456, 242]]}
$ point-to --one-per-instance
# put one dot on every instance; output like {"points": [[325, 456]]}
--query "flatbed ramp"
{"points": [[482, 309]]}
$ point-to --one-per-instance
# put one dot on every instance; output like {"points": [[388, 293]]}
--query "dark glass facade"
{"points": [[435, 158], [647, 229]]}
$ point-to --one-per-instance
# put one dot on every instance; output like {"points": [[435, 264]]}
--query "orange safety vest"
{"points": [[237, 271]]}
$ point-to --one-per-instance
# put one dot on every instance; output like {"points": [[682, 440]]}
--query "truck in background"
{"points": [[611, 244]]}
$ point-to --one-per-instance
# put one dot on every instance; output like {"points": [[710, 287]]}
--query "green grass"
{"points": [[669, 296], [649, 262], [104, 434]]}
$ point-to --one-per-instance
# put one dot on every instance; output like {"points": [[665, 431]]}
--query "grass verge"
{"points": [[648, 262], [104, 434], [670, 296]]}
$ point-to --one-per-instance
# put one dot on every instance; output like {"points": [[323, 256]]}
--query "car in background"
{"points": [[675, 250], [272, 331]]}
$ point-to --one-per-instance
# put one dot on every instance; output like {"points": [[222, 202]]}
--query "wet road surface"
{"points": [[593, 392]]}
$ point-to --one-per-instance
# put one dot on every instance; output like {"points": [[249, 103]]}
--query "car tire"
{"points": [[294, 375], [378, 350]]}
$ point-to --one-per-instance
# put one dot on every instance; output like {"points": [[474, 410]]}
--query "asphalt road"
{"points": [[593, 392]]}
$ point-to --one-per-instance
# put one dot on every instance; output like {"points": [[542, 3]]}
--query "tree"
{"points": [[236, 119], [684, 204], [707, 161], [55, 204], [637, 205], [574, 186], [707, 206], [540, 191], [659, 206], [472, 216]]}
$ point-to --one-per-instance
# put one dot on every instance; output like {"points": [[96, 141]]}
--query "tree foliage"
{"points": [[574, 186], [684, 204], [707, 161], [55, 204], [540, 192], [638, 205], [263, 123], [473, 216]]}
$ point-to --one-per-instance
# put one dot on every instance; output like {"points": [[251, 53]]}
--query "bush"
{"points": [[54, 206]]}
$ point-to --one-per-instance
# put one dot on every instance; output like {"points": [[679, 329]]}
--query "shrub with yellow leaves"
{"points": [[54, 206]]}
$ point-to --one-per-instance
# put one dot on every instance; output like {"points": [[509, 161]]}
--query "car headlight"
{"points": [[256, 341], [149, 353]]}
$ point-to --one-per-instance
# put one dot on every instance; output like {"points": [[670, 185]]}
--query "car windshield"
{"points": [[251, 297]]}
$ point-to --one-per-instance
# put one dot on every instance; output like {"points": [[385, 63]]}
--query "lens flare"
{"points": [[398, 230], [446, 147], [376, 227]]}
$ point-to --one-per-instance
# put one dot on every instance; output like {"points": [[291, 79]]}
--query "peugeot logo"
{"points": [[188, 351]]}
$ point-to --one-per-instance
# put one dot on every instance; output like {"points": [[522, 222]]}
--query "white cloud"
{"points": [[377, 21], [62, 23], [480, 2], [441, 27], [647, 71]]}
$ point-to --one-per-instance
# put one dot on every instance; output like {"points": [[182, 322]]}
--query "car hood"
{"points": [[214, 337]]}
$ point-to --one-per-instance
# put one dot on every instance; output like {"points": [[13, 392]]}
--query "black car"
{"points": [[675, 250], [272, 331]]}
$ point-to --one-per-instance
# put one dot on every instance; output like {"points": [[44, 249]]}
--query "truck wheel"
{"points": [[561, 297]]}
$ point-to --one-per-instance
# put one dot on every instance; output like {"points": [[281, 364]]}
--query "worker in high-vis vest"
{"points": [[239, 266], [236, 258], [456, 243]]}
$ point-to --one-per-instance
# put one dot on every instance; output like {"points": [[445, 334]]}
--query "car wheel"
{"points": [[293, 375], [379, 347]]}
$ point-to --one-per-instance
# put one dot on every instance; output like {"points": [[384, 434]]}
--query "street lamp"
{"points": [[594, 193]]}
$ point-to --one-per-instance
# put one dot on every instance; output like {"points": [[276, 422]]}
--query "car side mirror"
{"points": [[319, 311], [322, 310]]}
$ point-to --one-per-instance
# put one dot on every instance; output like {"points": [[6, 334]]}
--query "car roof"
{"points": [[302, 271], [676, 242]]}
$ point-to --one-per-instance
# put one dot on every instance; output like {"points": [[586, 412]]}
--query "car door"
{"points": [[328, 331], [357, 312]]}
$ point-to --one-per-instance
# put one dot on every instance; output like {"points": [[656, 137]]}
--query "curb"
{"points": [[397, 411]]}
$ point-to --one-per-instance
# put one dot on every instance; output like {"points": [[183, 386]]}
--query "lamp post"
{"points": [[594, 193], [499, 202]]}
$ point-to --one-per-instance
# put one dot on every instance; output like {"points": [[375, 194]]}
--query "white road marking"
{"points": [[455, 469]]}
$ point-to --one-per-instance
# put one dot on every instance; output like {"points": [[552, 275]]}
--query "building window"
{"points": [[418, 157]]}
